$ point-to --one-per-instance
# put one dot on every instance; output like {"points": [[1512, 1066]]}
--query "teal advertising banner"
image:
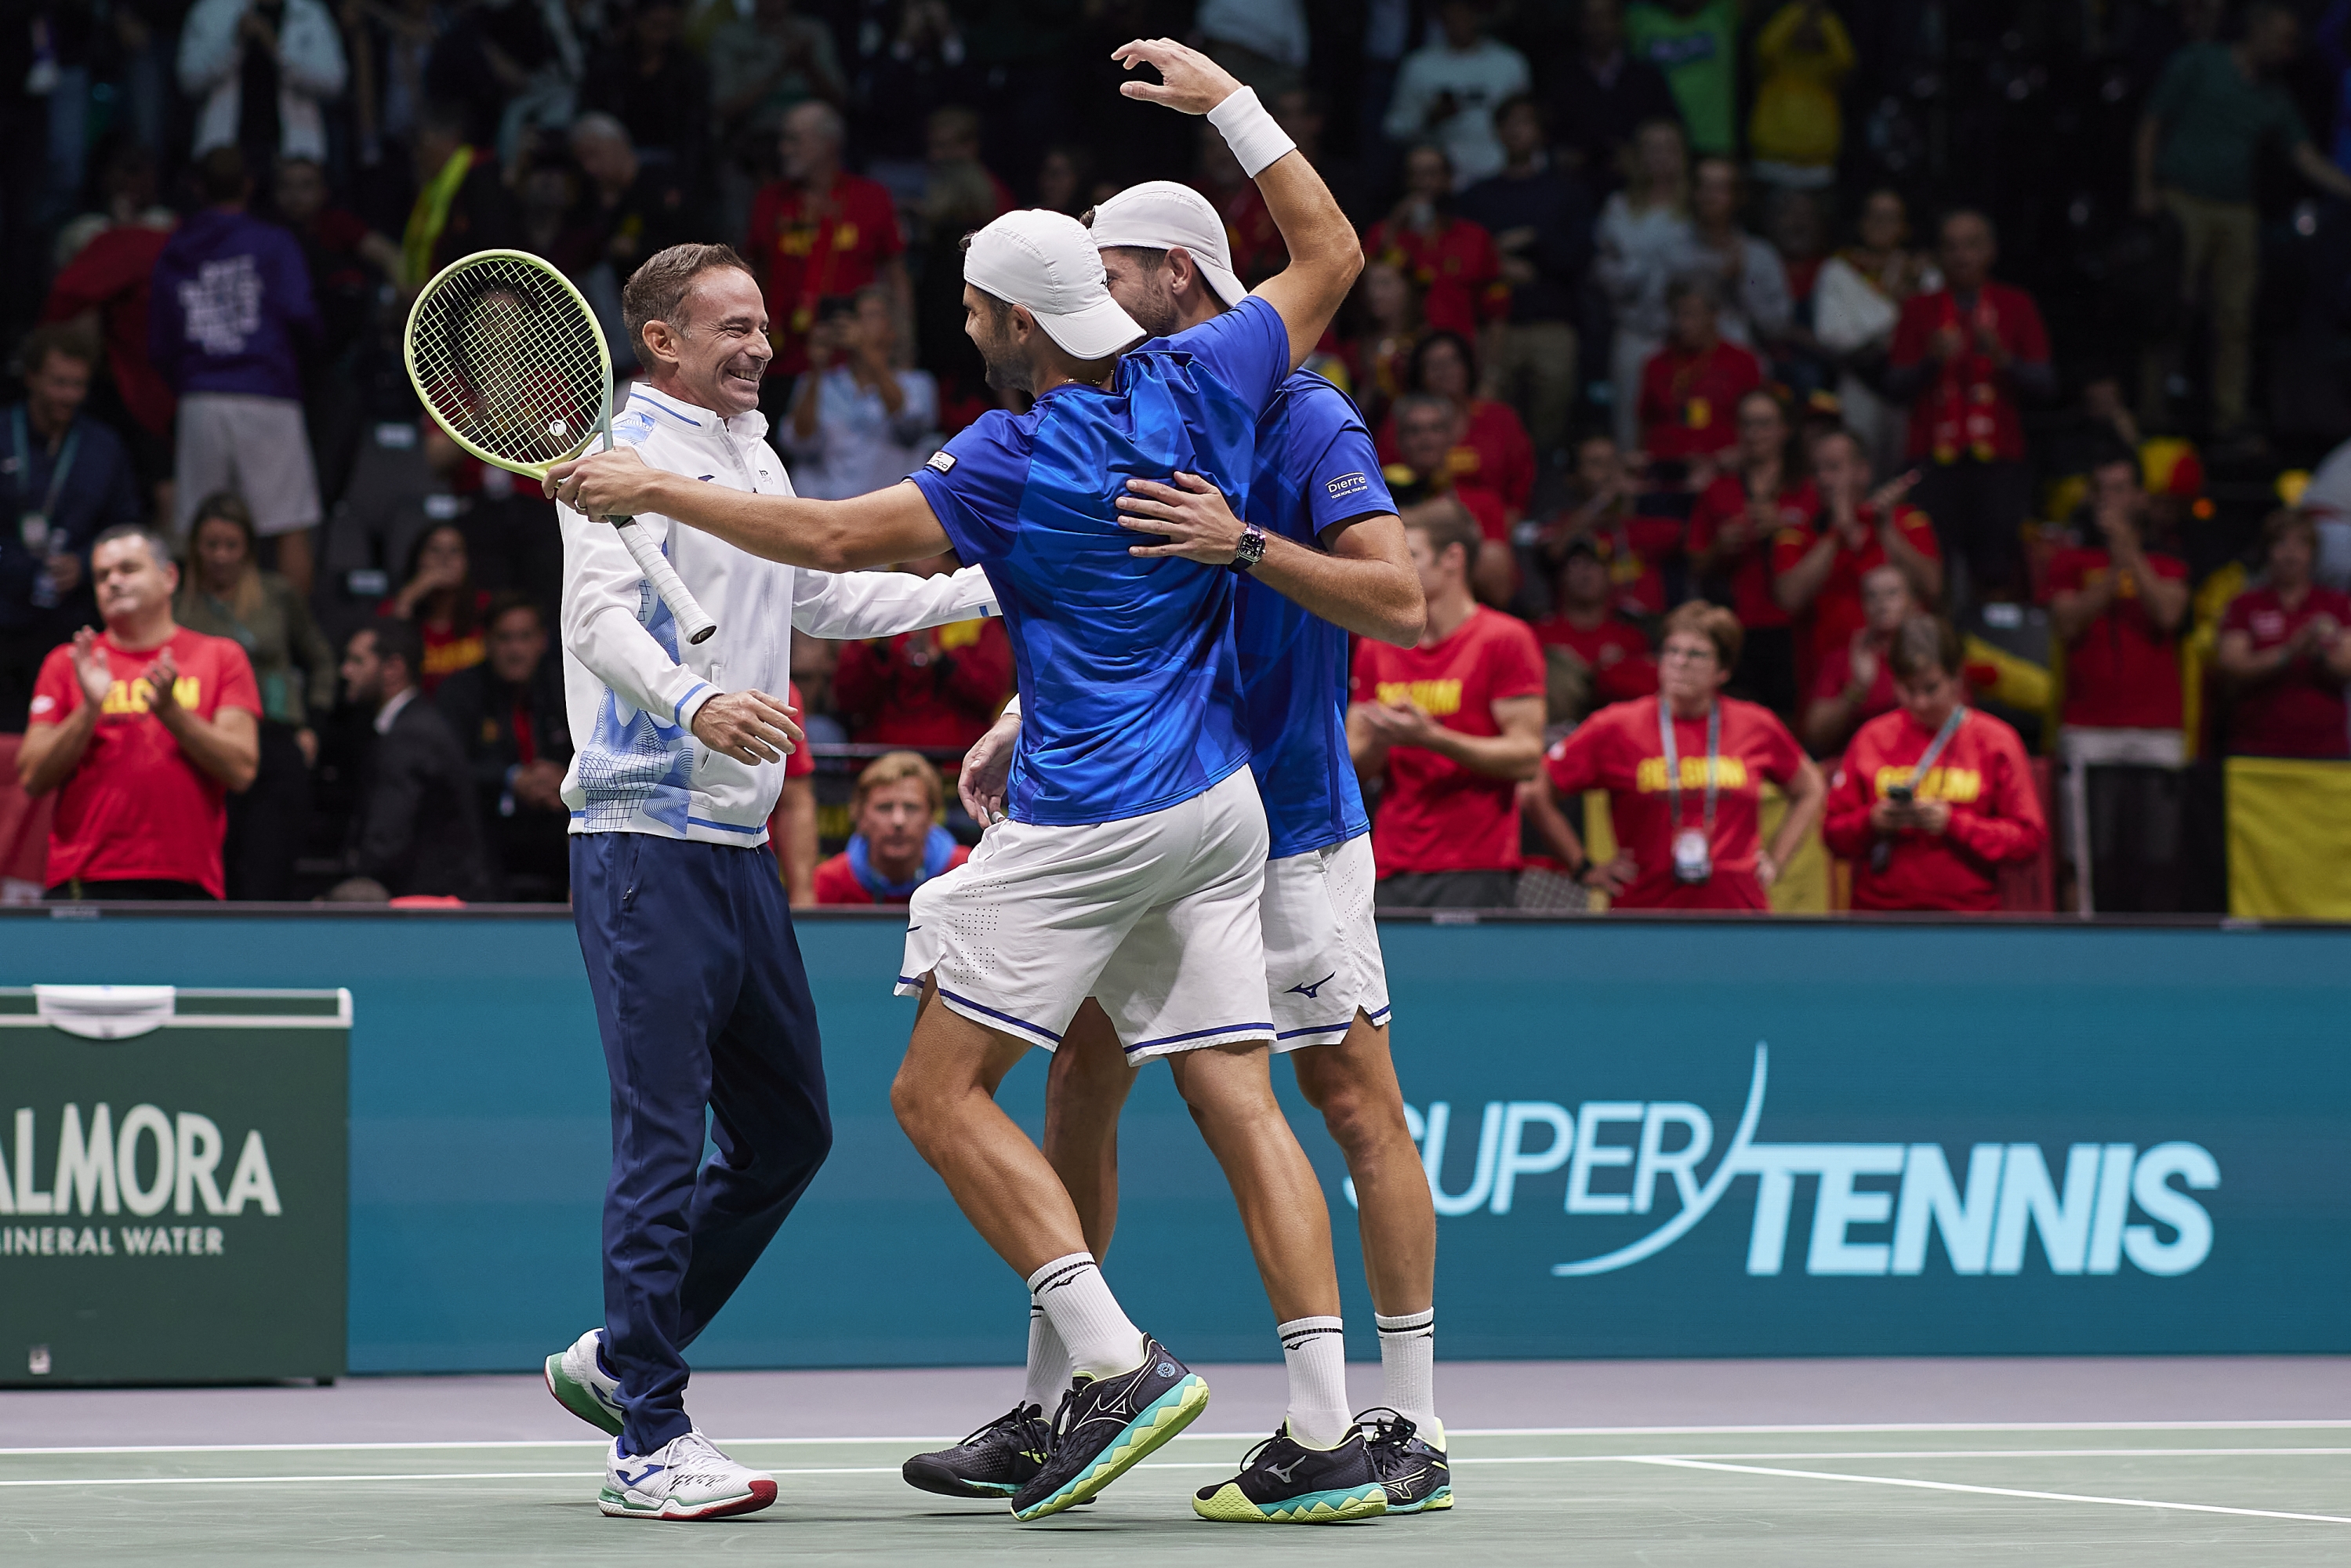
{"points": [[1649, 1138]]}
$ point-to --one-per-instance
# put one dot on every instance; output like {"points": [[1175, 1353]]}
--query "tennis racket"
{"points": [[509, 360]]}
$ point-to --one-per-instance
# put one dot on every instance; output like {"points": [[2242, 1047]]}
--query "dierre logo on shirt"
{"points": [[1438, 699], [1346, 484]]}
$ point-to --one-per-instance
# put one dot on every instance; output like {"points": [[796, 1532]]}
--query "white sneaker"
{"points": [[686, 1477], [580, 1384]]}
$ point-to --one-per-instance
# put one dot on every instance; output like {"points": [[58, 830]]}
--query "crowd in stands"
{"points": [[1916, 435]]}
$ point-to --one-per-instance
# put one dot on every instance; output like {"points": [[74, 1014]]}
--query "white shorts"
{"points": [[1154, 916], [1322, 946], [255, 445]]}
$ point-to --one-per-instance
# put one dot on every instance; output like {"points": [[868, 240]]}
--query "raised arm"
{"points": [[880, 529], [1325, 256]]}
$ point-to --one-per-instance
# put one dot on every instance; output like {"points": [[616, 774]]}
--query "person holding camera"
{"points": [[1934, 798], [1684, 773], [858, 422]]}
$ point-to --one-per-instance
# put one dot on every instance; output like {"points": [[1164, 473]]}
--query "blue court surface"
{"points": [[485, 1470]]}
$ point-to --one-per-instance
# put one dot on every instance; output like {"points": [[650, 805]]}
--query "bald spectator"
{"points": [[143, 729], [896, 843], [627, 208], [818, 232], [1965, 357]]}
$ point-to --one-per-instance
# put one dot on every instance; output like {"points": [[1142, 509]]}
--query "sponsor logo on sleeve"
{"points": [[1346, 484], [941, 461]]}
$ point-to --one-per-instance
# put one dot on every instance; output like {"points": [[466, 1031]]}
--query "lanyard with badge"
{"points": [[33, 526], [1693, 847], [1907, 792]]}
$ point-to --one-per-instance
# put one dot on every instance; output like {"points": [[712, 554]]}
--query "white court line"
{"points": [[1693, 1461], [1983, 1491], [935, 1438]]}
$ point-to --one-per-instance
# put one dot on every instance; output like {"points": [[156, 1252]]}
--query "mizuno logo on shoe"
{"points": [[1285, 1473], [1166, 1369], [1311, 991]]}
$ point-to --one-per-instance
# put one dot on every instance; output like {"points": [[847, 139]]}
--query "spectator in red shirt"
{"points": [[1816, 571], [1452, 259], [1445, 730], [1932, 800], [441, 599], [940, 688], [897, 844], [1690, 830], [1962, 357], [1490, 448], [791, 826], [1733, 530], [2283, 652], [144, 729], [1855, 683], [1691, 386], [1587, 623], [2116, 608], [819, 232], [110, 276], [1632, 544], [1424, 427]]}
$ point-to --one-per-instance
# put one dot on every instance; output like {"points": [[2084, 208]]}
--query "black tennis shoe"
{"points": [[994, 1462], [1282, 1482], [1413, 1469], [1106, 1425]]}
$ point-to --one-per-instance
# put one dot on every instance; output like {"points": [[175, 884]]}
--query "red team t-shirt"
{"points": [[1434, 814], [1616, 652], [1689, 402], [1835, 613], [2122, 671], [1996, 817], [1617, 750], [136, 809], [836, 883], [1836, 673], [809, 251], [1751, 576], [2300, 713]]}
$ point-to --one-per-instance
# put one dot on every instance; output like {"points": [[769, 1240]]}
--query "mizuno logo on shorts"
{"points": [[1312, 990]]}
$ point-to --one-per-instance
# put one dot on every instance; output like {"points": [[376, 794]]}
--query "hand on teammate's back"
{"points": [[1191, 514], [749, 727]]}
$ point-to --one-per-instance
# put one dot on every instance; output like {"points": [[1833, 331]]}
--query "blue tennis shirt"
{"points": [[1315, 469], [1130, 679]]}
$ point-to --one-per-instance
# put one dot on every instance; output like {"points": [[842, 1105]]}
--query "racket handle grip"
{"points": [[692, 619]]}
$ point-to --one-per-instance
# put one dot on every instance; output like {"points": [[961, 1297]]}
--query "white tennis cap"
{"points": [[1047, 261], [1160, 214]]}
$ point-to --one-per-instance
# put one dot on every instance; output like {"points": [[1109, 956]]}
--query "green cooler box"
{"points": [[172, 1185]]}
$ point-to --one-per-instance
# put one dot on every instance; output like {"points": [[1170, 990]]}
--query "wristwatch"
{"points": [[1251, 548]]}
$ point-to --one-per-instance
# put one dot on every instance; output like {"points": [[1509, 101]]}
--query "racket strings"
{"points": [[509, 362]]}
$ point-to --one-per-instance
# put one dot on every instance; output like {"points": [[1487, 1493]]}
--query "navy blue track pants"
{"points": [[703, 1003]]}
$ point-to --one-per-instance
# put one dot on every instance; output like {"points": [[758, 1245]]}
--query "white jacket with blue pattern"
{"points": [[632, 692]]}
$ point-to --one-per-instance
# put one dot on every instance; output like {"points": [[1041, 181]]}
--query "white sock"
{"points": [[1407, 1367], [1102, 1342], [1315, 1352], [1049, 1363]]}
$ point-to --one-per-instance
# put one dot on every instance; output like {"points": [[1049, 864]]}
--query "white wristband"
{"points": [[1011, 708], [1256, 138]]}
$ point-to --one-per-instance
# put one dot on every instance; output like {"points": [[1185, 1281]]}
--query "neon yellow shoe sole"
{"points": [[1162, 1419], [1231, 1506]]}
